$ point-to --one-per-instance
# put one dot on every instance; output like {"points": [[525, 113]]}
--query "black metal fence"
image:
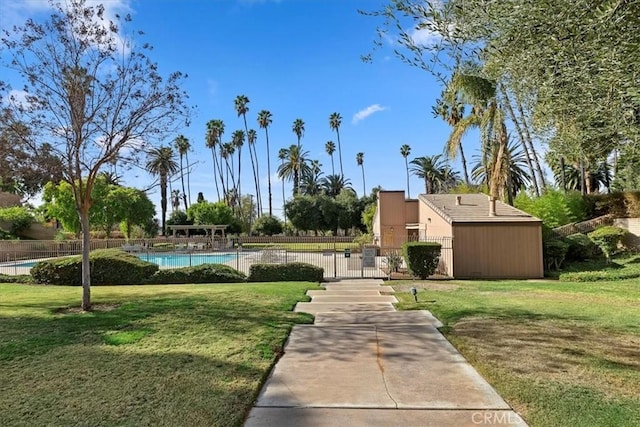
{"points": [[340, 257]]}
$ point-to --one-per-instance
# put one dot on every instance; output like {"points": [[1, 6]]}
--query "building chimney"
{"points": [[458, 200], [492, 206]]}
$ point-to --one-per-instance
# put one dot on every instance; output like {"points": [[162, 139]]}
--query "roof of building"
{"points": [[473, 208]]}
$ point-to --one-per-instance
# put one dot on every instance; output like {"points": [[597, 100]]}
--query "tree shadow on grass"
{"points": [[110, 386]]}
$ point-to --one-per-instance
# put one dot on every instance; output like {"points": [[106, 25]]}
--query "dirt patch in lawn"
{"points": [[556, 351], [101, 308]]}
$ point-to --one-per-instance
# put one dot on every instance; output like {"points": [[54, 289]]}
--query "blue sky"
{"points": [[297, 59]]}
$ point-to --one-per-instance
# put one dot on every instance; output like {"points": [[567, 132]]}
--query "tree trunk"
{"points": [[463, 159], [266, 132], [215, 177], [86, 266], [364, 185], [406, 163], [563, 175], [186, 156], [527, 135], [184, 193], [523, 142], [339, 151], [284, 212]]}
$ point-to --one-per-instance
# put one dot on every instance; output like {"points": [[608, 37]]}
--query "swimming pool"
{"points": [[167, 260], [186, 260]]}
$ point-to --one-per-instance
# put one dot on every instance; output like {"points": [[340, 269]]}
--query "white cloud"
{"points": [[16, 97], [424, 37], [366, 112]]}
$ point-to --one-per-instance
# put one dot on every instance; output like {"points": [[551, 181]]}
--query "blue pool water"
{"points": [[186, 260], [171, 260]]}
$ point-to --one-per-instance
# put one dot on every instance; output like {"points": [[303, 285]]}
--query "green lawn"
{"points": [[149, 355], [562, 354]]}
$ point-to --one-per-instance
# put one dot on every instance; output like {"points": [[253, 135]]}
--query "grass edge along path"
{"points": [[149, 355], [560, 353]]}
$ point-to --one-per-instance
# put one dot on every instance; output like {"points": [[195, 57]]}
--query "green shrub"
{"points": [[554, 207], [20, 278], [108, 267], [421, 258], [268, 225], [618, 204], [596, 276], [608, 238], [555, 251], [291, 272], [581, 248], [204, 273], [19, 218]]}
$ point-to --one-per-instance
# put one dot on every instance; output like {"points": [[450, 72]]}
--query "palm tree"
{"points": [[486, 114], [182, 145], [360, 162], [215, 129], [330, 148], [452, 111], [227, 150], [161, 163], [175, 200], [311, 181], [298, 129], [294, 166], [252, 136], [431, 169], [282, 155], [334, 123], [334, 184], [237, 139], [264, 120], [450, 179], [514, 177], [405, 150]]}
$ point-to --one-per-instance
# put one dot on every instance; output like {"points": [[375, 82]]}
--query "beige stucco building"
{"points": [[488, 239]]}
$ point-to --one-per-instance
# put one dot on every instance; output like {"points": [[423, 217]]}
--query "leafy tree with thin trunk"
{"points": [[92, 94], [237, 139], [360, 162], [330, 148], [182, 145], [405, 150], [161, 163], [335, 120], [264, 121]]}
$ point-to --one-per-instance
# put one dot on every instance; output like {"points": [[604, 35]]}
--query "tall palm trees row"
{"points": [[228, 178]]}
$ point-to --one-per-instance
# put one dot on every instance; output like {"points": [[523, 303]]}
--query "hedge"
{"points": [[581, 248], [422, 258], [20, 278], [290, 272], [204, 273], [108, 267], [608, 238]]}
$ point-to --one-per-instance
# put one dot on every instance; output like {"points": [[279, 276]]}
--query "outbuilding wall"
{"points": [[497, 250]]}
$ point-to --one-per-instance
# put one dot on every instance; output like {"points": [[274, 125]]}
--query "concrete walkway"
{"points": [[364, 364]]}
